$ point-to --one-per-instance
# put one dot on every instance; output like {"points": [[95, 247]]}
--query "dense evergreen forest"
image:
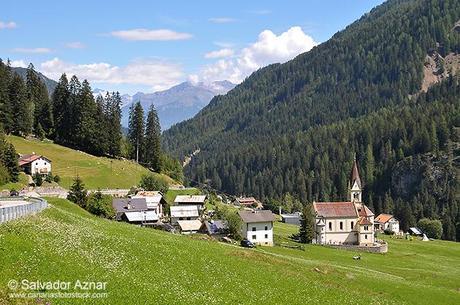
{"points": [[294, 128], [73, 117]]}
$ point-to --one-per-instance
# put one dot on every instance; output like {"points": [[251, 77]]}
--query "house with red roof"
{"points": [[33, 163], [348, 222], [386, 222]]}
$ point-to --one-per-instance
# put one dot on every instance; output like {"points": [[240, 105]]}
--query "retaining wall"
{"points": [[33, 206]]}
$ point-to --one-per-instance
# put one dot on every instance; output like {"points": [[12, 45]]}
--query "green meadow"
{"points": [[96, 172], [145, 266]]}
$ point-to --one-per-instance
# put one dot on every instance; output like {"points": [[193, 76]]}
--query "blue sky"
{"points": [[152, 45]]}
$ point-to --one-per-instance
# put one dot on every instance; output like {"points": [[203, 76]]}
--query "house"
{"points": [[134, 210], [216, 228], [293, 218], [350, 222], [257, 226], [184, 212], [154, 200], [33, 163], [386, 222], [189, 226], [249, 202], [198, 200]]}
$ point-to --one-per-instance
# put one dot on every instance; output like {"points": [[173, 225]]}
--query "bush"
{"points": [[49, 178], [431, 227], [388, 232], [151, 182], [233, 219], [100, 205], [77, 193], [38, 179], [57, 179]]}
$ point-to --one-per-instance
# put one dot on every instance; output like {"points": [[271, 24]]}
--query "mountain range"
{"points": [[178, 103]]}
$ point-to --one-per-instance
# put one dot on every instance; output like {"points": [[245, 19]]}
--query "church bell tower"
{"points": [[355, 185]]}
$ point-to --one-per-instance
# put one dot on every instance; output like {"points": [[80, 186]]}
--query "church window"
{"points": [[330, 226], [365, 236], [352, 224], [341, 225]]}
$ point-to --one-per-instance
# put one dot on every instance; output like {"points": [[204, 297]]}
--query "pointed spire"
{"points": [[354, 176]]}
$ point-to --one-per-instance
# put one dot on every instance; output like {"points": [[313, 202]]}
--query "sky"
{"points": [[147, 46]]}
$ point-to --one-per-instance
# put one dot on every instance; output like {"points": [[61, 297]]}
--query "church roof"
{"points": [[354, 176], [335, 209], [364, 211], [365, 221]]}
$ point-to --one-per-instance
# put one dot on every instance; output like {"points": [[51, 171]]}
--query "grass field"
{"points": [[145, 266], [96, 172]]}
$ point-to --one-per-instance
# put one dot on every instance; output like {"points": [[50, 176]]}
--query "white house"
{"points": [[184, 212], [257, 226], [386, 222], [349, 222], [134, 210], [33, 163], [153, 199]]}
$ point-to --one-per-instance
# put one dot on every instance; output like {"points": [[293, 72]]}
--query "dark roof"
{"points": [[354, 176], [335, 209], [137, 204], [216, 226], [256, 216], [364, 211]]}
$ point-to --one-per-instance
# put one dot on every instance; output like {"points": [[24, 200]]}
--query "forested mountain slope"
{"points": [[295, 127]]}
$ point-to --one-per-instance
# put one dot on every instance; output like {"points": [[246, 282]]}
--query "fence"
{"points": [[33, 205]]}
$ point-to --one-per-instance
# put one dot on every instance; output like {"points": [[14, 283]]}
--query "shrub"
{"points": [[431, 227], [100, 205], [388, 232], [57, 179], [77, 193], [233, 219], [38, 179], [151, 182], [49, 178]]}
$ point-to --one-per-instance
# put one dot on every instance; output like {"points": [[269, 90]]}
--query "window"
{"points": [[266, 228], [266, 236], [253, 237], [352, 224], [366, 228], [330, 226], [253, 228], [341, 225], [365, 236]]}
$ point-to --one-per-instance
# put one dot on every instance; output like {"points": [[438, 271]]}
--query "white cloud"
{"points": [[7, 25], [75, 45], [19, 63], [219, 53], [269, 48], [222, 20], [156, 74], [32, 50], [146, 34]]}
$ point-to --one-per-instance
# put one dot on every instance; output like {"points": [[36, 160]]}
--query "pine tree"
{"points": [[6, 111], [61, 109], [153, 140], [114, 124], [84, 110], [136, 130], [78, 193], [307, 222], [22, 109]]}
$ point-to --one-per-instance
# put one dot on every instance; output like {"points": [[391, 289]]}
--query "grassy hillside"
{"points": [[146, 266], [96, 172]]}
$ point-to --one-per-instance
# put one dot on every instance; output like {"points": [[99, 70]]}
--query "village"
{"points": [[347, 224]]}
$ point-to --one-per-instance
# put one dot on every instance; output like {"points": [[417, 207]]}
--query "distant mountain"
{"points": [[49, 83], [178, 103]]}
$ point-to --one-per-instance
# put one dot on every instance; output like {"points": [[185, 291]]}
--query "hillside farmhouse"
{"points": [[154, 200], [249, 202], [348, 223], [33, 163], [257, 226], [134, 211], [184, 212], [386, 222]]}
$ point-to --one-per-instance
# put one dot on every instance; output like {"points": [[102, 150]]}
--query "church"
{"points": [[345, 223]]}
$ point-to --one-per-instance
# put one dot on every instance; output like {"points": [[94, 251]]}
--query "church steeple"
{"points": [[355, 183]]}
